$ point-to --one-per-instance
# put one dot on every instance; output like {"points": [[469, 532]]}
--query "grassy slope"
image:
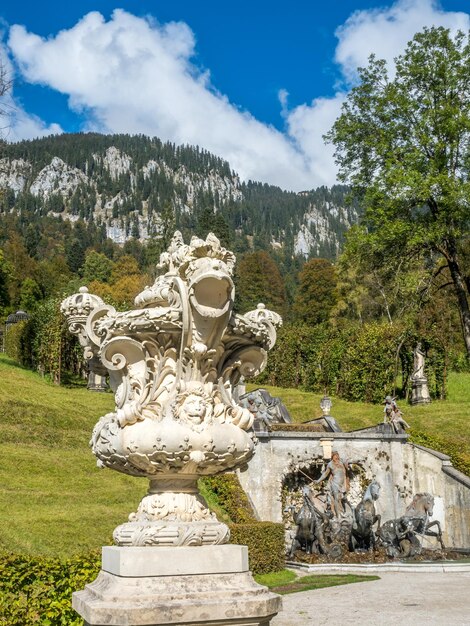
{"points": [[447, 421], [53, 499]]}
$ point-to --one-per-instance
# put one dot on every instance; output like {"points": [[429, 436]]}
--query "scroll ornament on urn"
{"points": [[173, 363]]}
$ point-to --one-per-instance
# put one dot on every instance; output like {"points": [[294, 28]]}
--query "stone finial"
{"points": [[80, 304]]}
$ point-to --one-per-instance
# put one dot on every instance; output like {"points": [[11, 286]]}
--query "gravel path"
{"points": [[397, 599]]}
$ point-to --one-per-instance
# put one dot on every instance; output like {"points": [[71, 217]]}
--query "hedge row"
{"points": [[357, 362], [231, 497], [44, 344], [266, 545], [38, 590]]}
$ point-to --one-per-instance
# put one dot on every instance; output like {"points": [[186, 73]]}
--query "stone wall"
{"points": [[401, 468]]}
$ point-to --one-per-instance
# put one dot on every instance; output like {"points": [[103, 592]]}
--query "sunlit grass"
{"points": [[286, 581], [446, 420], [55, 501], [53, 498]]}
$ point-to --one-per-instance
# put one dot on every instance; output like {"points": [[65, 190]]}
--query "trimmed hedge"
{"points": [[38, 590], [356, 362], [43, 343], [231, 497], [265, 541], [13, 341]]}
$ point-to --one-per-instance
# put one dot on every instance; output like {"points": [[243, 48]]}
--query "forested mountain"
{"points": [[98, 210], [135, 187]]}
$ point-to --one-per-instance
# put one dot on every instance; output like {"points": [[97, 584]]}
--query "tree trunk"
{"points": [[461, 293]]}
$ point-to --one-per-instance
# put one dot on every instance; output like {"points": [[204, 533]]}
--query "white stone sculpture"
{"points": [[420, 389], [173, 363]]}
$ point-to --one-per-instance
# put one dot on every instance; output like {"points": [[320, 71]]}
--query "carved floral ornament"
{"points": [[173, 362]]}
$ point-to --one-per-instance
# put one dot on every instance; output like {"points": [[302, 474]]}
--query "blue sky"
{"points": [[255, 82]]}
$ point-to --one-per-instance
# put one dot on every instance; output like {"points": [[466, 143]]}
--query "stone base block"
{"points": [[176, 587], [420, 391]]}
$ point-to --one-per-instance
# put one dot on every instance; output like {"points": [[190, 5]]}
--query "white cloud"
{"points": [[22, 125], [307, 124], [385, 32], [135, 75], [15, 122]]}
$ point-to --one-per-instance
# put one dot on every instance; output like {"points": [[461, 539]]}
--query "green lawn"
{"points": [[286, 581], [53, 499], [446, 422]]}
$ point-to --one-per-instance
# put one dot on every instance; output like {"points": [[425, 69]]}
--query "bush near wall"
{"points": [[38, 590], [265, 541], [231, 497]]}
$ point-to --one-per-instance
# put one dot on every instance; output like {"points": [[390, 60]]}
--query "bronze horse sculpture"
{"points": [[305, 523], [362, 533], [399, 536], [418, 514], [309, 523]]}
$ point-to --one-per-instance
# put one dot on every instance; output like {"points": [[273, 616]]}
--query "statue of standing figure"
{"points": [[420, 390], [418, 363], [337, 473]]}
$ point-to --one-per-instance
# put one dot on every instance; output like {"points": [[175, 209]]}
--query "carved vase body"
{"points": [[173, 362]]}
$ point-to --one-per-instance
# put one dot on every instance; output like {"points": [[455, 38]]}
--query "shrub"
{"points": [[38, 590], [368, 367], [231, 497], [13, 341], [357, 362], [265, 541], [44, 343]]}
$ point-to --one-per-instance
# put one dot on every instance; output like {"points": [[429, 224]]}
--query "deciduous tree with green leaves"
{"points": [[97, 266], [403, 142]]}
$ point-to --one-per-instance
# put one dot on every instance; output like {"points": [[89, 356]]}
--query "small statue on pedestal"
{"points": [[420, 390]]}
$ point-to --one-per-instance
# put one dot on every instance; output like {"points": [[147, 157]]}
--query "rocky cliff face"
{"points": [[316, 230], [58, 178], [130, 191], [14, 174]]}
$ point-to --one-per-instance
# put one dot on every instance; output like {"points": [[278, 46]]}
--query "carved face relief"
{"points": [[194, 408]]}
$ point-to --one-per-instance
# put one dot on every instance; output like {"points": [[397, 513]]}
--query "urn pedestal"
{"points": [[174, 361], [177, 587]]}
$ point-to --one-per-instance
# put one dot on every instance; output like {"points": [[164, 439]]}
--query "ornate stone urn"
{"points": [[173, 362]]}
